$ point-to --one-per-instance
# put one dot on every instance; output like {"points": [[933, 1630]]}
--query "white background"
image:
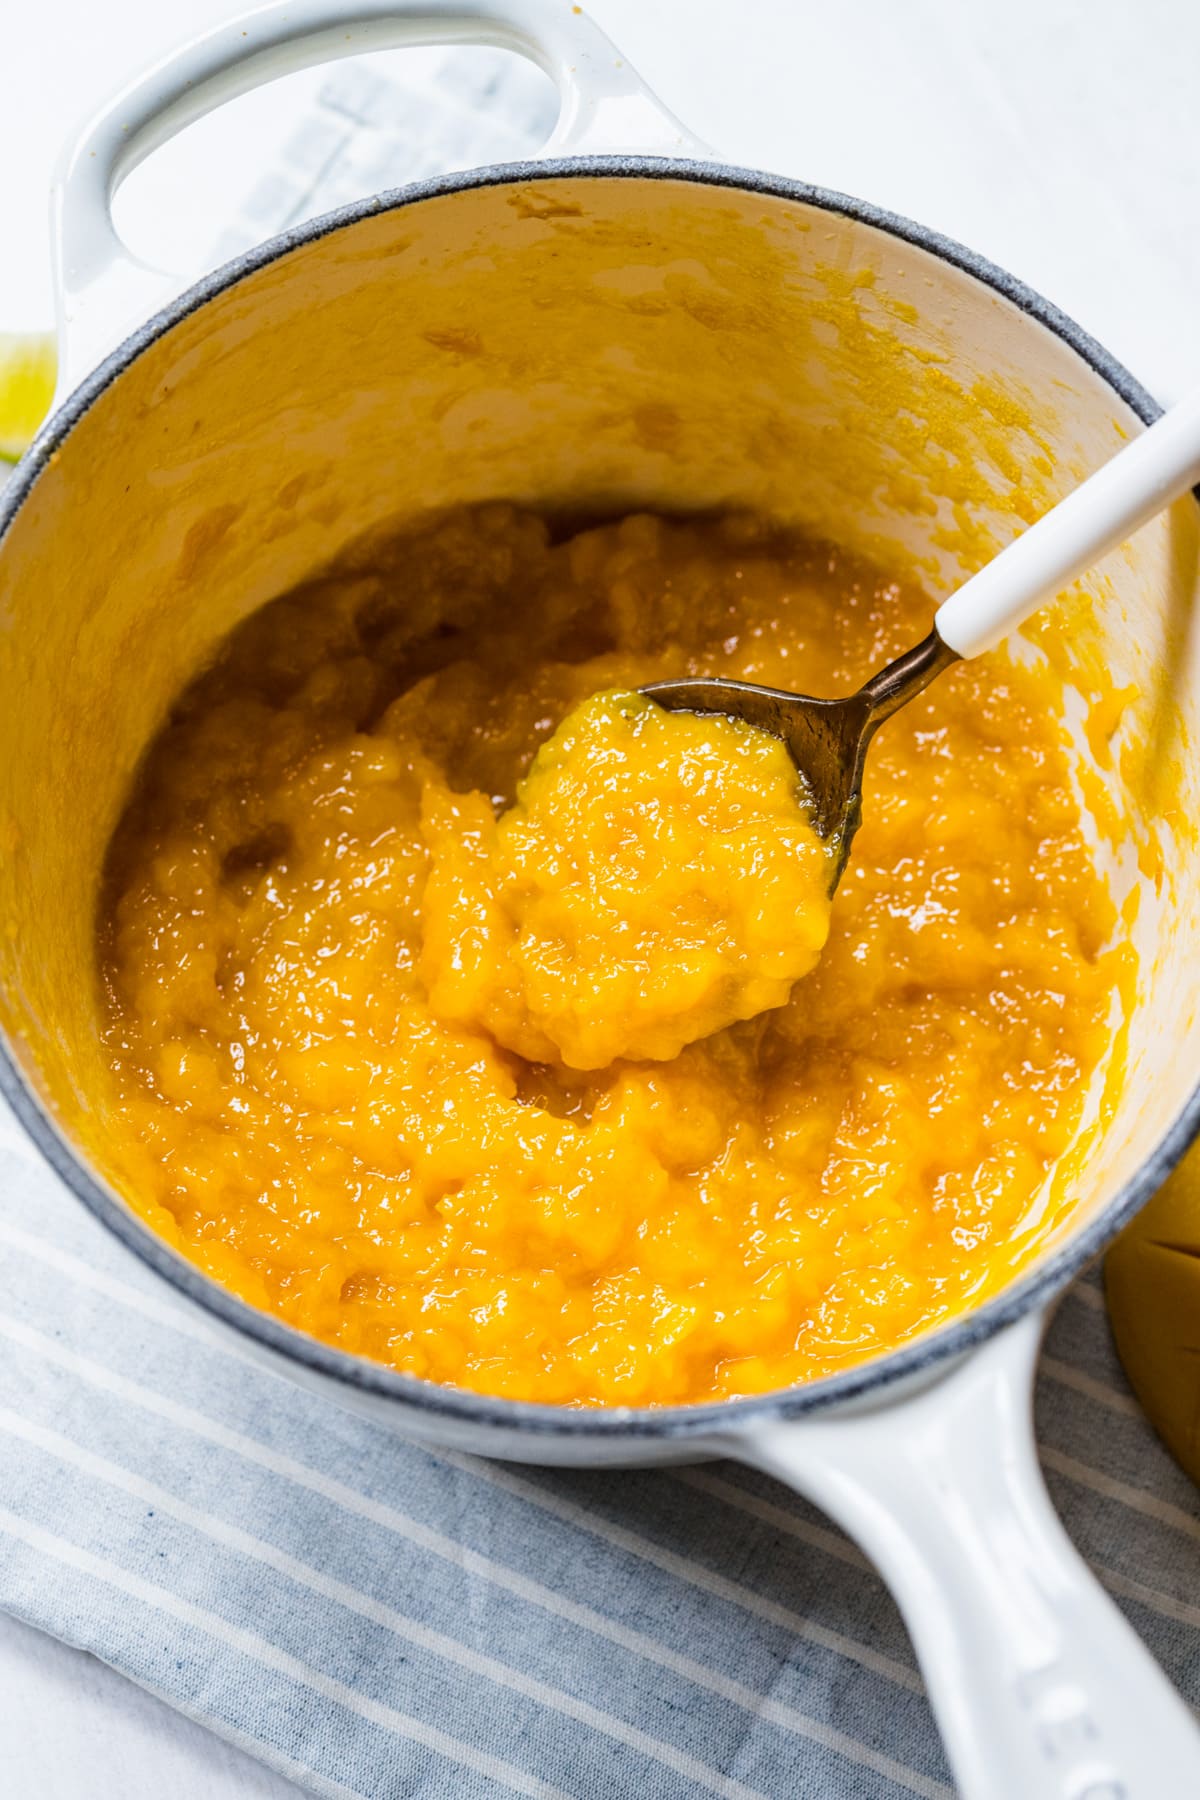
{"points": [[1059, 137]]}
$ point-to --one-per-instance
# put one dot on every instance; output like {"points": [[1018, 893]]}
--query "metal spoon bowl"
{"points": [[826, 739]]}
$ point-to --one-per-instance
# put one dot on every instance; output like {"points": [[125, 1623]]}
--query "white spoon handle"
{"points": [[1042, 1689], [1139, 481]]}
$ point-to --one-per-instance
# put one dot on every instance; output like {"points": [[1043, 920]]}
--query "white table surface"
{"points": [[1059, 137]]}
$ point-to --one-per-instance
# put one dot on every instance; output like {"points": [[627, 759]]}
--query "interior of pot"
{"points": [[592, 343]]}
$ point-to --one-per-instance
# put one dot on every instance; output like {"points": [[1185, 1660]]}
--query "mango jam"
{"points": [[656, 880], [408, 981]]}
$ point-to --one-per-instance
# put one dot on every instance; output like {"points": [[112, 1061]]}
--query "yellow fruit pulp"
{"points": [[344, 1085], [656, 880]]}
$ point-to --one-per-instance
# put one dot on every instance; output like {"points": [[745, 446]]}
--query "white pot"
{"points": [[623, 323]]}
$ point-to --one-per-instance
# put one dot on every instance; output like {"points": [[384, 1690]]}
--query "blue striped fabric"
{"points": [[376, 1620]]}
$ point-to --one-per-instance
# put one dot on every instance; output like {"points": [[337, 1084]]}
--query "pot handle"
{"points": [[1039, 1686], [103, 290]]}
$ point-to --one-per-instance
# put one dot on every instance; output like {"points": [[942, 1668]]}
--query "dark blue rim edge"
{"points": [[455, 1405]]}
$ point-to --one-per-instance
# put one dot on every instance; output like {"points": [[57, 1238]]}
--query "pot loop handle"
{"points": [[103, 290], [1040, 1687]]}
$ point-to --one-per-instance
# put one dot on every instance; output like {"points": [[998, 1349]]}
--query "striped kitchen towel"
{"points": [[378, 1620]]}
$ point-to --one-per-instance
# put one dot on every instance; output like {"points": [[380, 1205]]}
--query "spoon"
{"points": [[828, 739]]}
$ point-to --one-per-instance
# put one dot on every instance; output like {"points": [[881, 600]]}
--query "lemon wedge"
{"points": [[27, 370], [1152, 1279]]}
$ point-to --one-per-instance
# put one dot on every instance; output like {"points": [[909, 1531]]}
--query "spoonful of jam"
{"points": [[828, 740]]}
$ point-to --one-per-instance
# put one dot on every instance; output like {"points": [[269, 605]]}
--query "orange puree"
{"points": [[656, 880], [401, 1060]]}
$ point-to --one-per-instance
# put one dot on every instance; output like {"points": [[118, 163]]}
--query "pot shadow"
{"points": [[737, 1601], [741, 1562]]}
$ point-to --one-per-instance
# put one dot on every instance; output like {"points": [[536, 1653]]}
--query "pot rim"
{"points": [[458, 1405]]}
